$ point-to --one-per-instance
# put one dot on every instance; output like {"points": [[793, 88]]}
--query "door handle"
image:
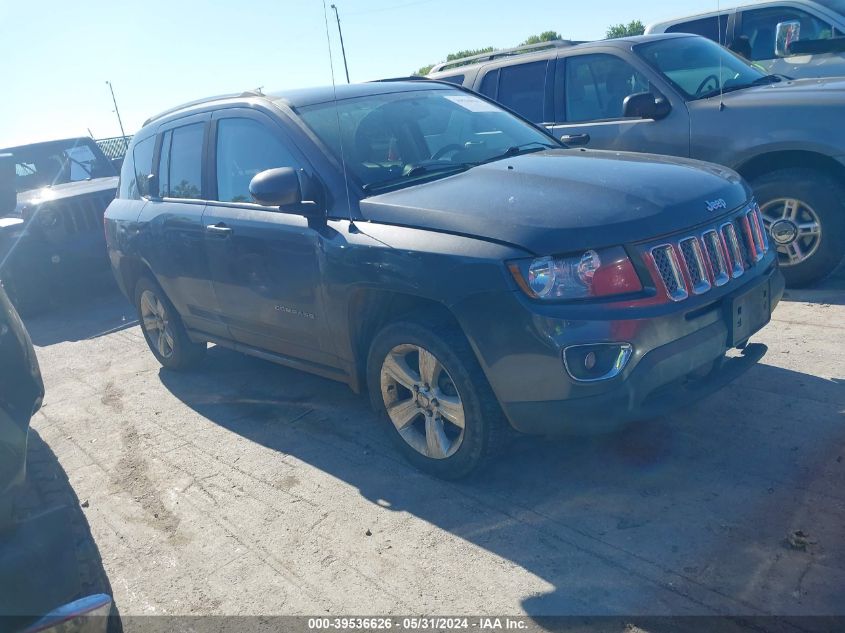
{"points": [[575, 139], [219, 229]]}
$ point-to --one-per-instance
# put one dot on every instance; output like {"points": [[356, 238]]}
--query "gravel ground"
{"points": [[248, 488]]}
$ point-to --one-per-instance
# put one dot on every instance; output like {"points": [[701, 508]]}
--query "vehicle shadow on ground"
{"points": [[54, 531], [685, 514], [830, 290], [83, 314]]}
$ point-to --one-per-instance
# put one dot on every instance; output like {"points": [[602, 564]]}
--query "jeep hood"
{"points": [[34, 197], [559, 201]]}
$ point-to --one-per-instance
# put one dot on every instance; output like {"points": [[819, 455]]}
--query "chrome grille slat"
{"points": [[694, 261], [716, 256], [732, 247], [666, 260], [755, 225], [764, 235]]}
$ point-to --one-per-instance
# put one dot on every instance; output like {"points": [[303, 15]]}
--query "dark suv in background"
{"points": [[464, 266], [53, 236], [687, 96]]}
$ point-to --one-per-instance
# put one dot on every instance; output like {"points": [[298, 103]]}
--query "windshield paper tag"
{"points": [[473, 104]]}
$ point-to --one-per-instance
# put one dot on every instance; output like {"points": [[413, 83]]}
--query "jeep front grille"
{"points": [[694, 264], [80, 215]]}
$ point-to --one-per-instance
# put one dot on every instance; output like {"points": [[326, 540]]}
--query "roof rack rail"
{"points": [[233, 95], [397, 79], [505, 52]]}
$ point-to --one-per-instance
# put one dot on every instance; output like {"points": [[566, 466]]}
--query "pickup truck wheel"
{"points": [[442, 414], [804, 213], [163, 329]]}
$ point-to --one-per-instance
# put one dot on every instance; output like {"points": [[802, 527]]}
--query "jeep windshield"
{"points": [[699, 68], [57, 162], [394, 140]]}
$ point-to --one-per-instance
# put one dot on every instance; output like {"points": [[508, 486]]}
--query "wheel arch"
{"points": [[129, 271], [768, 162], [370, 309]]}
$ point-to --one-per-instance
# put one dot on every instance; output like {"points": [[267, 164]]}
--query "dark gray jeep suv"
{"points": [[464, 266]]}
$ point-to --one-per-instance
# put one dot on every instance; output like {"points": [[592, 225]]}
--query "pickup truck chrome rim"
{"points": [[422, 401], [156, 324], [794, 227]]}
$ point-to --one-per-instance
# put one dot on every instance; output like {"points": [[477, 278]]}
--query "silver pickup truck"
{"points": [[797, 38], [687, 96]]}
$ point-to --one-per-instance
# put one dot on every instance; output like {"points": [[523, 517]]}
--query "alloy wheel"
{"points": [[422, 401], [794, 228], [156, 323]]}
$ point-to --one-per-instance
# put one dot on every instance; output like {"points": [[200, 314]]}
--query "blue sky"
{"points": [[56, 55]]}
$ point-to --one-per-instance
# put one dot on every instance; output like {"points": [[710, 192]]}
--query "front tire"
{"points": [[163, 328], [804, 212], [425, 382]]}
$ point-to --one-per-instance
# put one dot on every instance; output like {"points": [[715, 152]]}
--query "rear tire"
{"points": [[440, 387], [805, 197], [163, 328]]}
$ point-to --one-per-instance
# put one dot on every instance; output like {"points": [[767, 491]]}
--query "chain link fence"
{"points": [[114, 147]]}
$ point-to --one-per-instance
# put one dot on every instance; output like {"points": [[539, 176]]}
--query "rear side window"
{"points": [[522, 88], [714, 28], [245, 148], [455, 79], [137, 167], [181, 167]]}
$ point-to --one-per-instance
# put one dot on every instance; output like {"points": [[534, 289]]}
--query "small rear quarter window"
{"points": [[137, 166]]}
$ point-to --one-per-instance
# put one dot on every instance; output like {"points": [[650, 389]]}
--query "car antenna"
{"points": [[721, 78], [352, 227]]}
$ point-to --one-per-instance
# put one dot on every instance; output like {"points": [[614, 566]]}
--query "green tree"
{"points": [[634, 27], [545, 36], [453, 56]]}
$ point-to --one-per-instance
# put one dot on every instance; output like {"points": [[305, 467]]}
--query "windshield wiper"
{"points": [[418, 172], [516, 150], [760, 81], [767, 79], [87, 170]]}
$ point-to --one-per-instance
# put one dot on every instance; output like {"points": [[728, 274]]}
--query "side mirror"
{"points": [[117, 163], [786, 34], [8, 193], [286, 188], [152, 186], [644, 105]]}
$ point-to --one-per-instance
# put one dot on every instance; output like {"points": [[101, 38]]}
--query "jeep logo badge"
{"points": [[715, 205]]}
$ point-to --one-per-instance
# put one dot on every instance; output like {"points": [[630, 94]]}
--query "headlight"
{"points": [[589, 274]]}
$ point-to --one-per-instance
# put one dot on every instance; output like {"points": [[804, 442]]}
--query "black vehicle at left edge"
{"points": [[416, 240], [43, 584]]}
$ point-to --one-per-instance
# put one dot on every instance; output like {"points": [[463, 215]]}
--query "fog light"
{"points": [[599, 361]]}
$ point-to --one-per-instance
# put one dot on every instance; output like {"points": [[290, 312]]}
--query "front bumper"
{"points": [[679, 356]]}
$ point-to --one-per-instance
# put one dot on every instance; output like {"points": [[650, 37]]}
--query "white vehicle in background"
{"points": [[796, 38]]}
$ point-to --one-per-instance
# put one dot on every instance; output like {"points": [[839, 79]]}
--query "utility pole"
{"points": [[342, 49], [117, 112]]}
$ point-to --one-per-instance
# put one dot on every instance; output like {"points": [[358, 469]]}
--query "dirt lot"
{"points": [[248, 488]]}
